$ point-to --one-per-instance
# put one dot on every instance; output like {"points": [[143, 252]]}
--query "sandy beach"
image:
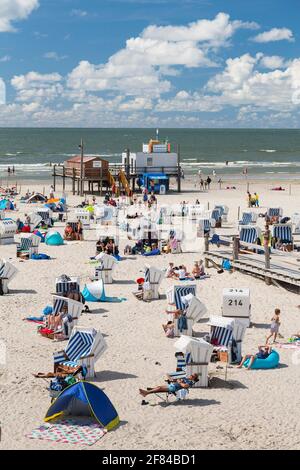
{"points": [[256, 409]]}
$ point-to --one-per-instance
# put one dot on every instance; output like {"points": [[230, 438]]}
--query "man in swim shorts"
{"points": [[173, 386]]}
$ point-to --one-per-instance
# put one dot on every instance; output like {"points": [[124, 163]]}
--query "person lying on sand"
{"points": [[173, 386], [263, 353]]}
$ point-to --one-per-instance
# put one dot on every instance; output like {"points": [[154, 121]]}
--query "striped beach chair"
{"points": [[205, 225], [8, 229], [217, 216], [84, 348], [105, 268], [228, 333], [195, 311], [176, 293], [197, 355], [224, 210], [249, 234], [283, 232], [35, 221], [64, 285], [274, 214], [28, 245], [7, 273], [46, 215], [248, 218], [153, 277], [74, 311]]}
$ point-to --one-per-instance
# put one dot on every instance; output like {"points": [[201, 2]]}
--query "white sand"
{"points": [[254, 409]]}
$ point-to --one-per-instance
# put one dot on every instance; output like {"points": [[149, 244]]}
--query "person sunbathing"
{"points": [[263, 353], [170, 273], [69, 233], [79, 233], [173, 386], [169, 329], [55, 321]]}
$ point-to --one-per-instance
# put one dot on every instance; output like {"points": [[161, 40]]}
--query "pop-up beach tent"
{"points": [[54, 239], [6, 205], [84, 399]]}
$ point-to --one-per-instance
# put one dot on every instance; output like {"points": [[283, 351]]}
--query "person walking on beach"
{"points": [[201, 184], [249, 198], [51, 192], [208, 181], [256, 200], [274, 329]]}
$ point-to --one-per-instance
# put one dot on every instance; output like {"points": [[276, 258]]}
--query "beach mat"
{"points": [[69, 431], [295, 345]]}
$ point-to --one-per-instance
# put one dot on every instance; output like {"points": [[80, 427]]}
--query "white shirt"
{"points": [[181, 273]]}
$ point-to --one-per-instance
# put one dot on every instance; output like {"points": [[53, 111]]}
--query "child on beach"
{"points": [[274, 329]]}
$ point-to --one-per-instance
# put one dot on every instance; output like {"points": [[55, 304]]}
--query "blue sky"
{"points": [[133, 63]]}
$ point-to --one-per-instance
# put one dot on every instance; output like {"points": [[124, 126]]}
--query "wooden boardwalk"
{"points": [[282, 268]]}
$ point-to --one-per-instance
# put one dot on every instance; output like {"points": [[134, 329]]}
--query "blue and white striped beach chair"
{"points": [[216, 215], [84, 348], [28, 245], [246, 218], [205, 225], [283, 232], [193, 313], [64, 285], [228, 333], [46, 216], [274, 214], [8, 229], [74, 311], [249, 234], [175, 294]]}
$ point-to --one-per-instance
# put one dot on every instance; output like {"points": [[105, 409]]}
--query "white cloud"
{"points": [[215, 32], [54, 56], [15, 10], [272, 62], [159, 51], [79, 13], [36, 87], [275, 34], [5, 58], [241, 84]]}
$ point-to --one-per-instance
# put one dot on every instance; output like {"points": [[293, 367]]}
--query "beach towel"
{"points": [[39, 256], [69, 431], [294, 345], [152, 253], [34, 319]]}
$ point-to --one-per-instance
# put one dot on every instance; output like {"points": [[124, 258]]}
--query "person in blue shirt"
{"points": [[263, 353]]}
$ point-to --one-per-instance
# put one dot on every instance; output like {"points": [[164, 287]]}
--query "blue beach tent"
{"points": [[54, 239], [84, 399]]}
